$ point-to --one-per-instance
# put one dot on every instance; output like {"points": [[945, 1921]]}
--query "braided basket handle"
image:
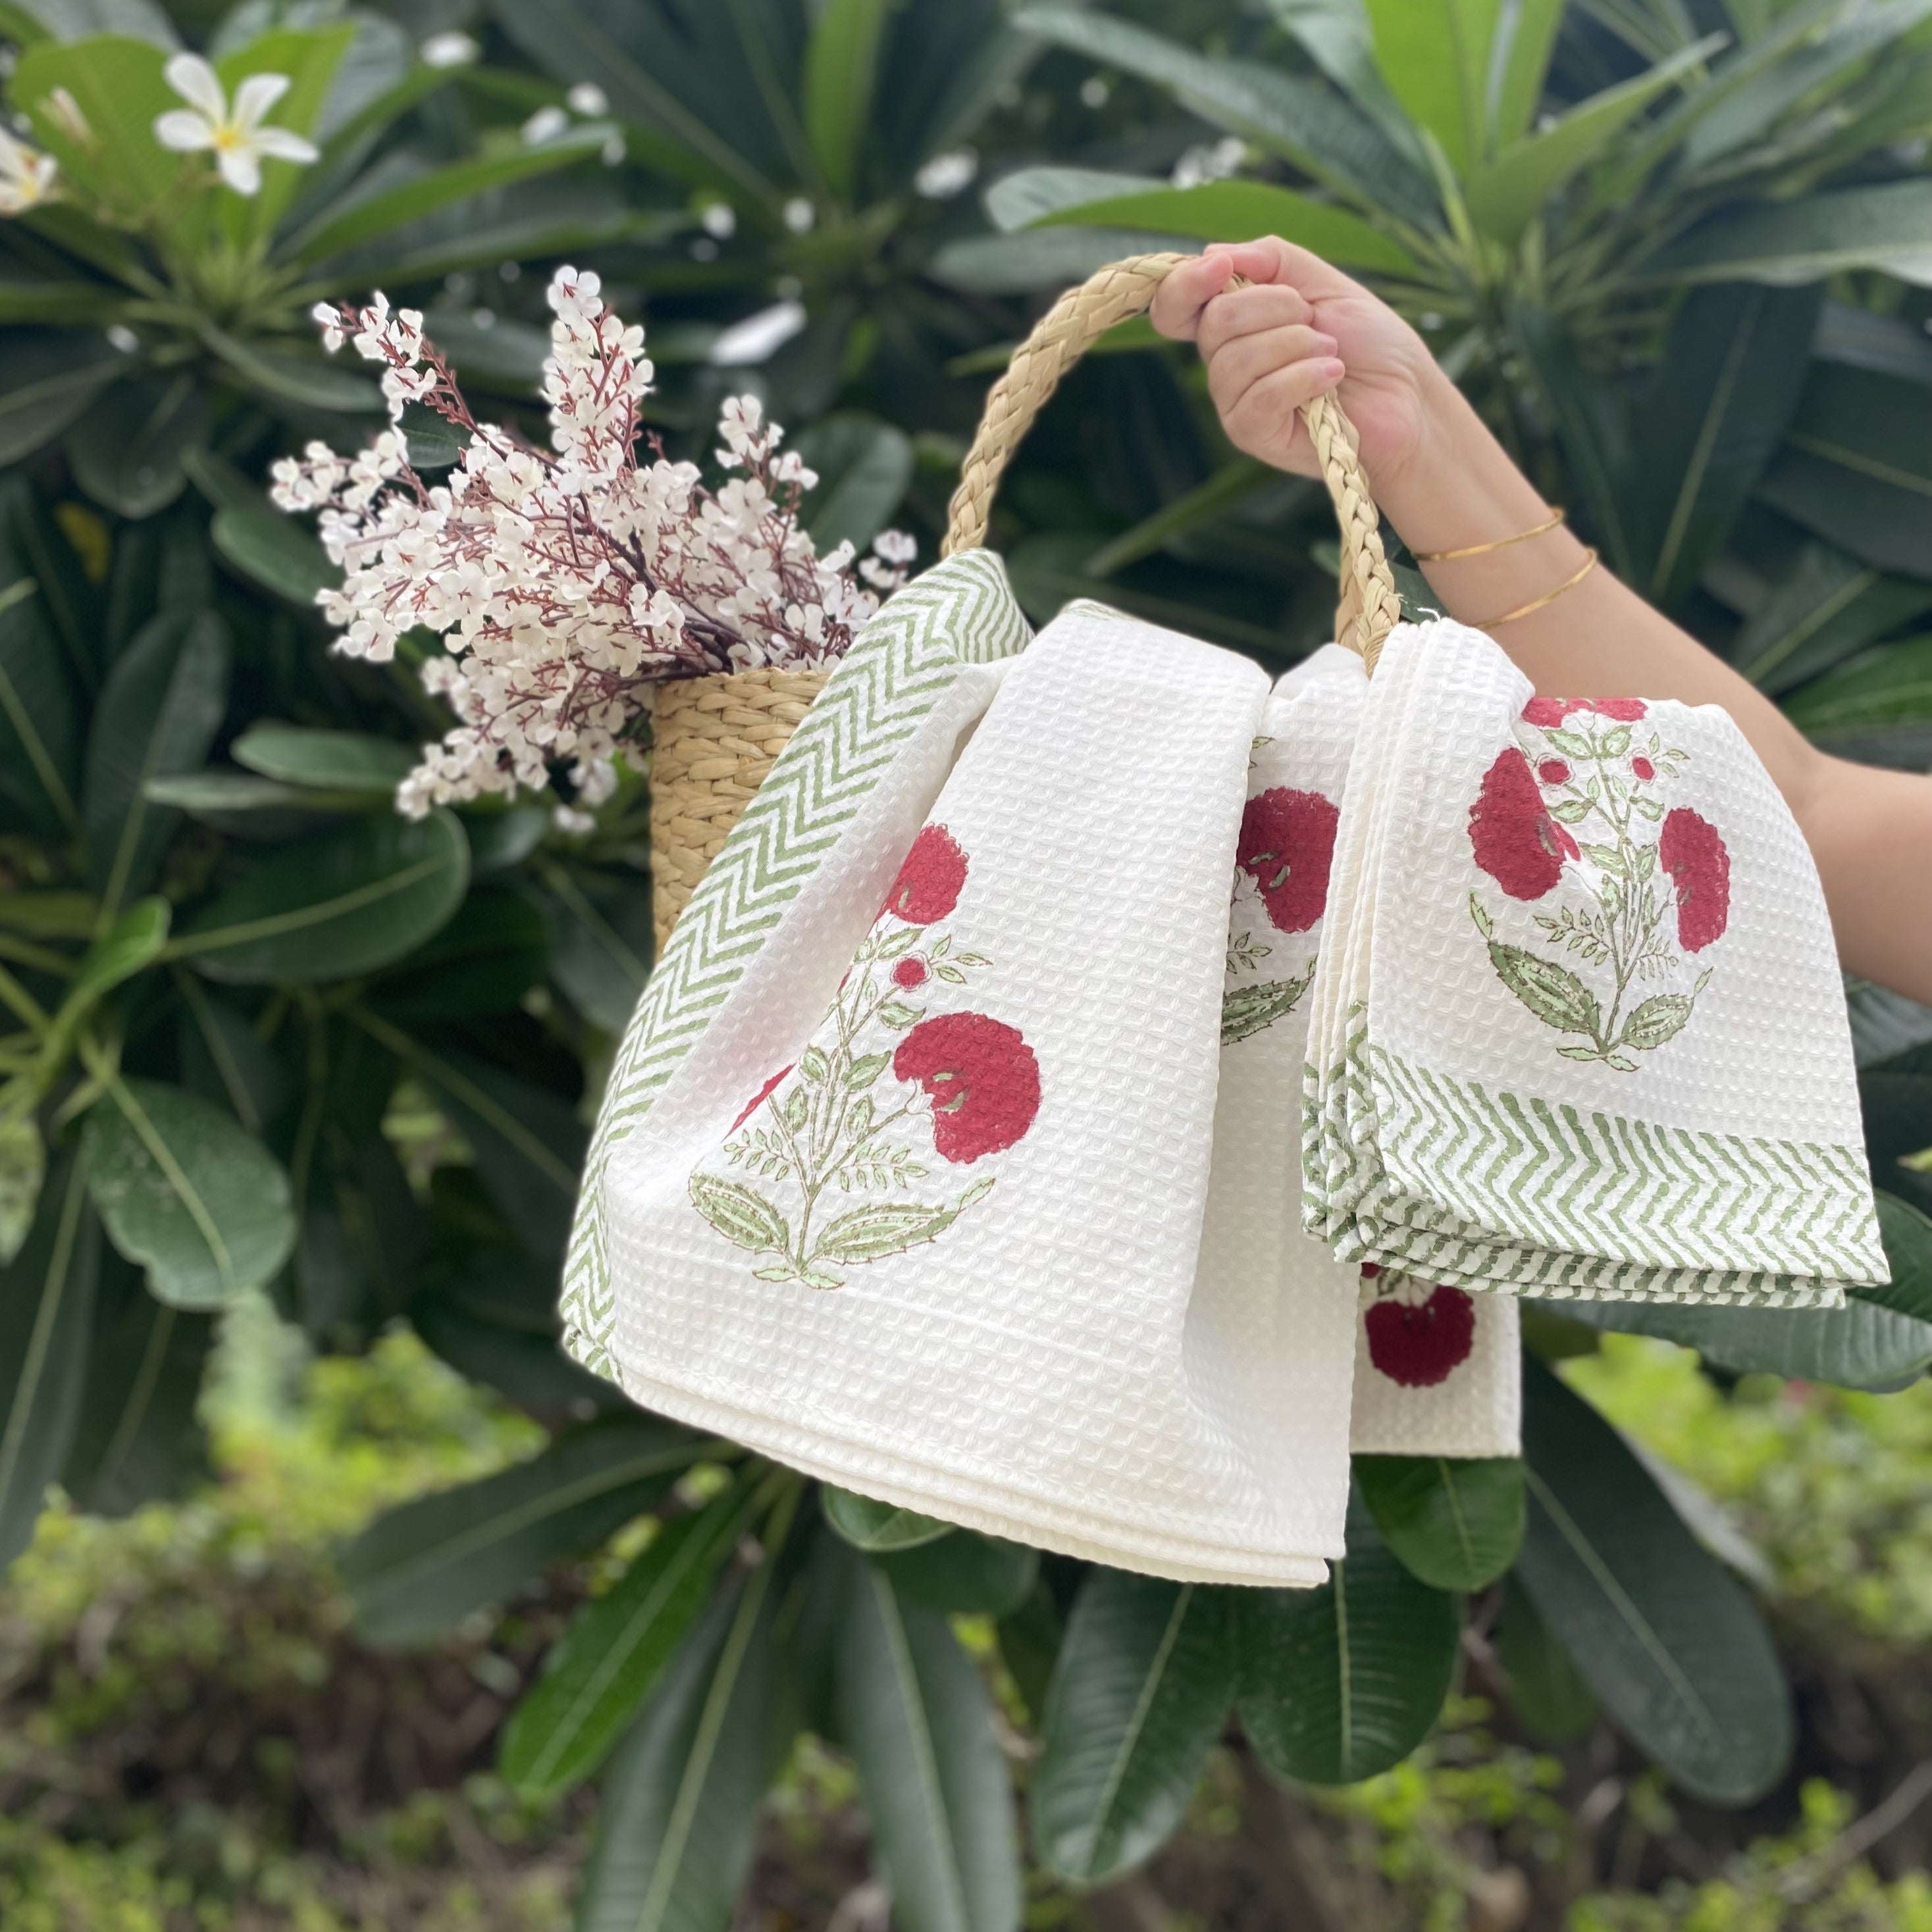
{"points": [[1368, 608]]}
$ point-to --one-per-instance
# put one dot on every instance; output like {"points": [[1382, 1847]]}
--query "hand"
{"points": [[1301, 328]]}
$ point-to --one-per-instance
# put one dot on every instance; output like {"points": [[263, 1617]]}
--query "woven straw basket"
{"points": [[714, 738]]}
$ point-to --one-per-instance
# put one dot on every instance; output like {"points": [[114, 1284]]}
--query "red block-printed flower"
{"points": [[1286, 845], [1548, 713], [929, 883], [1420, 1344], [981, 1076], [1515, 839], [1691, 850]]}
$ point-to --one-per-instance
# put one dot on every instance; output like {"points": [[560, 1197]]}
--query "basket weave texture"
{"points": [[714, 738]]}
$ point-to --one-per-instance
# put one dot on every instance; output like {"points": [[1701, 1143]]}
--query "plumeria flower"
{"points": [[238, 138], [26, 176]]}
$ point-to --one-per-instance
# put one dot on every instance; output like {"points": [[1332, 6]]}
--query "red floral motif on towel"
{"points": [[1419, 1335], [1605, 973], [830, 1160]]}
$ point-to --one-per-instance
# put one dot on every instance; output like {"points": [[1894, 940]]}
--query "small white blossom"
{"points": [[239, 141], [454, 49], [946, 174], [573, 824], [720, 219], [588, 99], [799, 215], [545, 125], [26, 176], [565, 583], [1212, 161]]}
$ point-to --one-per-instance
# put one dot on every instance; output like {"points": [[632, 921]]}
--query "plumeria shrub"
{"points": [[566, 582]]}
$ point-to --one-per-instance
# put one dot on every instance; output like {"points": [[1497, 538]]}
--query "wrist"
{"points": [[1457, 485]]}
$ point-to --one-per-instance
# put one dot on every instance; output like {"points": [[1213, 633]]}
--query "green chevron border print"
{"points": [[1406, 1167], [962, 611]]}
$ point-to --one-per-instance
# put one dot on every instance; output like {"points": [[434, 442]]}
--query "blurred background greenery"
{"points": [[1677, 251]]}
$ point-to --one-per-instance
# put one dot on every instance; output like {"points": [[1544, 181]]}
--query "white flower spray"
{"points": [[566, 582]]}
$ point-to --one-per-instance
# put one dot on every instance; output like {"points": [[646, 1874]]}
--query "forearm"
{"points": [[1870, 831]]}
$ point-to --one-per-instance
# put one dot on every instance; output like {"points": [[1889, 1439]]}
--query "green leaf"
{"points": [[224, 1060], [1339, 1683], [964, 1574], [421, 1568], [1531, 39], [1030, 1639], [600, 939], [27, 297], [339, 761], [1552, 993], [369, 216], [41, 549], [1663, 1634], [1662, 1017], [606, 1662], [300, 379], [1041, 258], [1301, 118], [1507, 194], [334, 906], [40, 727], [30, 21], [1885, 227], [1457, 1525], [23, 1164], [137, 1439], [1734, 367], [1434, 54], [1237, 210], [116, 84], [193, 1198], [1546, 1690], [244, 806], [841, 59], [1907, 1235], [131, 943], [488, 956], [865, 468], [643, 64], [531, 1369], [50, 379], [47, 1303], [679, 1807], [269, 550], [127, 450], [1144, 1679], [914, 1713], [528, 1141], [159, 712], [879, 1228], [1830, 606], [1253, 1008], [1336, 36], [746, 1219], [875, 1526]]}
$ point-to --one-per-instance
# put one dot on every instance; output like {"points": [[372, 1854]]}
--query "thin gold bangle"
{"points": [[1549, 522], [1548, 597]]}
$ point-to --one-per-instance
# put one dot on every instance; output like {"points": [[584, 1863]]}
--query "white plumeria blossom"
{"points": [[564, 582], [238, 141], [26, 176]]}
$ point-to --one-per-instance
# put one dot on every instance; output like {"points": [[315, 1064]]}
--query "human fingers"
{"points": [[1236, 367], [1189, 288], [1260, 418], [1250, 311], [1270, 259]]}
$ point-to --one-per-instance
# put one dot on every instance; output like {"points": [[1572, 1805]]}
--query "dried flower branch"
{"points": [[564, 582]]}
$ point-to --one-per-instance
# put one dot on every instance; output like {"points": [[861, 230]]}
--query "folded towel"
{"points": [[1579, 1028], [906, 1185]]}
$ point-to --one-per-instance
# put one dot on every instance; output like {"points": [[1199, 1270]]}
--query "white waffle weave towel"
{"points": [[1580, 1029], [912, 1197]]}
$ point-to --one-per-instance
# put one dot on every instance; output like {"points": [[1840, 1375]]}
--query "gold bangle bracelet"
{"points": [[1548, 597], [1549, 522]]}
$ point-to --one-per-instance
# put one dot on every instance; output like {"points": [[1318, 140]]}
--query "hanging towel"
{"points": [[1438, 1370], [1271, 1330], [1580, 1030], [913, 1198]]}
